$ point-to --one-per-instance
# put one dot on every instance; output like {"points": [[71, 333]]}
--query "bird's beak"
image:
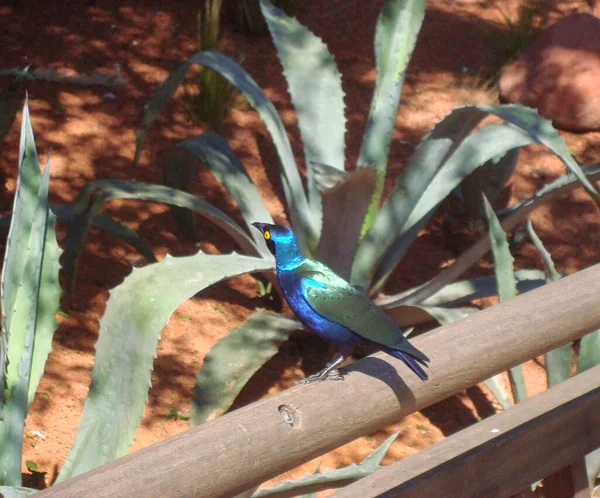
{"points": [[259, 226]]}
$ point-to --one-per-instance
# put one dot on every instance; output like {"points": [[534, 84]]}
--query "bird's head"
{"points": [[282, 243]]}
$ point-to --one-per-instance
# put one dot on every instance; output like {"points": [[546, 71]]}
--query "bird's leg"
{"points": [[330, 372]]}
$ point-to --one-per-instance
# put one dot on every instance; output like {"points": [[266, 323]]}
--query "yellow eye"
{"points": [[267, 235]]}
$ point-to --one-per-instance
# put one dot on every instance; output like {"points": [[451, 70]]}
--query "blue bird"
{"points": [[331, 308]]}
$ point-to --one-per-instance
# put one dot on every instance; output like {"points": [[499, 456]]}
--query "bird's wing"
{"points": [[335, 299]]}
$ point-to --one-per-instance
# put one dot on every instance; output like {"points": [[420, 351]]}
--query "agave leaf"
{"points": [[549, 267], [589, 351], [440, 163], [16, 492], [466, 290], [350, 197], [513, 216], [489, 179], [25, 202], [557, 361], [31, 313], [592, 463], [48, 304], [496, 386], [94, 194], [231, 363], [320, 481], [300, 215], [315, 86], [104, 222], [542, 132], [396, 34], [214, 152], [507, 286], [412, 315], [136, 312]]}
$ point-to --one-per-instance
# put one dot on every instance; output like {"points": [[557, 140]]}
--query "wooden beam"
{"points": [[505, 453], [257, 442], [568, 482]]}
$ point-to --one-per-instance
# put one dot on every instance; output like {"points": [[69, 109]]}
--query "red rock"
{"points": [[559, 74]]}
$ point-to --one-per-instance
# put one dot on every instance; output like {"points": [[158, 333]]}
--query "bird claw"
{"points": [[335, 374]]}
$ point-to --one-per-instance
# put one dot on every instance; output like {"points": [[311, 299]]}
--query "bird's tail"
{"points": [[410, 361]]}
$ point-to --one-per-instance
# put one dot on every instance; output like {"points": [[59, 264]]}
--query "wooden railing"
{"points": [[253, 444]]}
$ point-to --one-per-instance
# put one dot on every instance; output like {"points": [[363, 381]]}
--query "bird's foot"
{"points": [[334, 374]]}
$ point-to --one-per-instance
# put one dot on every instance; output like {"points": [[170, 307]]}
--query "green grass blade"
{"points": [[94, 194], [315, 86], [136, 313], [214, 152], [507, 286], [231, 363], [299, 212], [330, 478]]}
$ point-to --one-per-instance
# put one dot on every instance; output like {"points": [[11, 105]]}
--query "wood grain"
{"points": [[498, 457], [255, 443]]}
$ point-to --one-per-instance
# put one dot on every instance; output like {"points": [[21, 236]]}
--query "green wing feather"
{"points": [[335, 299]]}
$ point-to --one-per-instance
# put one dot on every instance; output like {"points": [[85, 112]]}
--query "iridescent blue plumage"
{"points": [[331, 308]]}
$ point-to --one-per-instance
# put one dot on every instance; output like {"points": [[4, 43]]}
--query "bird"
{"points": [[332, 308]]}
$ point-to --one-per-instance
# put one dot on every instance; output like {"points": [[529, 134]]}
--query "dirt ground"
{"points": [[91, 136]]}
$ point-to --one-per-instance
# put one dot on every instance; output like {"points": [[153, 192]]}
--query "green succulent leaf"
{"points": [[16, 491], [541, 131], [396, 34], [445, 157], [511, 218], [592, 463], [315, 86], [489, 179], [104, 222], [300, 215], [496, 386], [405, 316], [136, 313], [231, 363], [466, 290], [557, 361], [351, 197], [320, 481], [507, 286], [30, 298], [214, 152], [589, 351], [94, 194]]}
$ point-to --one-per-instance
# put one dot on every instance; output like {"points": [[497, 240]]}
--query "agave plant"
{"points": [[364, 245], [339, 217]]}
